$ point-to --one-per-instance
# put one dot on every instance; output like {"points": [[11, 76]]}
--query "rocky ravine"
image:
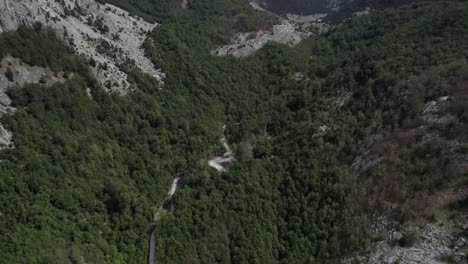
{"points": [[105, 33]]}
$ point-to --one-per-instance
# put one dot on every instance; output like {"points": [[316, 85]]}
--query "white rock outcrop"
{"points": [[21, 74], [290, 31], [105, 33], [437, 244], [433, 114]]}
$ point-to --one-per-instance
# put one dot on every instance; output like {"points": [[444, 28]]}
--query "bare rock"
{"points": [[290, 31], [22, 74], [107, 34], [436, 245]]}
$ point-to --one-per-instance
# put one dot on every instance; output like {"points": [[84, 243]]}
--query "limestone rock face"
{"points": [[105, 33], [291, 30]]}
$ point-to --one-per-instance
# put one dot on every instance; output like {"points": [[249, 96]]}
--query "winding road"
{"points": [[220, 163]]}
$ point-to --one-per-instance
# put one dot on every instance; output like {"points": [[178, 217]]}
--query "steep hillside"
{"points": [[88, 169], [412, 182], [109, 36]]}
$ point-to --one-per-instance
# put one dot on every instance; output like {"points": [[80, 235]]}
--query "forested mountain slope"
{"points": [[307, 7], [362, 126]]}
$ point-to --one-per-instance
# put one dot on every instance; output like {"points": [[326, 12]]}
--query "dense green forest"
{"points": [[86, 173]]}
